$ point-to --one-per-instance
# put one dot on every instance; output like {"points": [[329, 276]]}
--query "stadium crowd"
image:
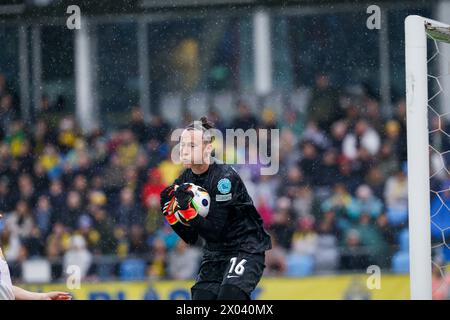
{"points": [[338, 203]]}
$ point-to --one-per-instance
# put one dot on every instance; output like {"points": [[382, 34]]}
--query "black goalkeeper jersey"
{"points": [[233, 223]]}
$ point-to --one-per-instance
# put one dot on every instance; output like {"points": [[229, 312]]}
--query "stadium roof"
{"points": [[17, 9]]}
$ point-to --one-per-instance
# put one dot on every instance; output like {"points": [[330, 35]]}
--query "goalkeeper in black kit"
{"points": [[235, 240]]}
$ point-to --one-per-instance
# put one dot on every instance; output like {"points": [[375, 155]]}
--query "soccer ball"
{"points": [[201, 199]]}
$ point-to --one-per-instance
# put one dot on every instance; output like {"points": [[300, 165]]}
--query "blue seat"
{"points": [[403, 240], [299, 265], [400, 262], [105, 270], [396, 216], [132, 269]]}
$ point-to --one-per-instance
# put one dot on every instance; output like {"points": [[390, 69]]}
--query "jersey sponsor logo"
{"points": [[223, 197], [224, 185]]}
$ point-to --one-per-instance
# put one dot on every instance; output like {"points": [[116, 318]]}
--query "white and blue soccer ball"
{"points": [[202, 201]]}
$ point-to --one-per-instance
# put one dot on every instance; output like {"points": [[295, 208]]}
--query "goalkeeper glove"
{"points": [[167, 201], [188, 208]]}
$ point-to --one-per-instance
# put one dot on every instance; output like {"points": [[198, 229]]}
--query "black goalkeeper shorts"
{"points": [[243, 270]]}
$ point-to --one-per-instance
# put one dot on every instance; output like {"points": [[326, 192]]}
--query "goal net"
{"points": [[427, 49]]}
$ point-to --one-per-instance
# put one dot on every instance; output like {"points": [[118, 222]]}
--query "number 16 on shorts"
{"points": [[237, 268]]}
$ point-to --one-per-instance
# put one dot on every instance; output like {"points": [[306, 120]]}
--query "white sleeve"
{"points": [[372, 142], [349, 146], [6, 289]]}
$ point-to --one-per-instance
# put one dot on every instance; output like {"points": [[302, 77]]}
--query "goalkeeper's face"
{"points": [[193, 149]]}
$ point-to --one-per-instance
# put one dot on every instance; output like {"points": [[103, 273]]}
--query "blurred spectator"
{"points": [[268, 119], [339, 201], [376, 181], [40, 178], [362, 137], [80, 185], [310, 163], [128, 148], [128, 211], [315, 135], [326, 256], [20, 221], [275, 259], [396, 197], [26, 157], [7, 111], [304, 240], [304, 201], [58, 241], [78, 255], [34, 244], [120, 236], [169, 170], [18, 225], [288, 153], [159, 129], [265, 190], [183, 261], [158, 265], [282, 227], [214, 117], [266, 211], [373, 112], [115, 173], [67, 134], [26, 189], [244, 119], [387, 231], [388, 160], [372, 240], [338, 134], [152, 189], [324, 105], [329, 168], [155, 152], [354, 256], [6, 200], [42, 135], [104, 224], [51, 161], [97, 198], [138, 245], [43, 215], [365, 202], [87, 231], [133, 180], [138, 125], [293, 179], [57, 197], [72, 212]]}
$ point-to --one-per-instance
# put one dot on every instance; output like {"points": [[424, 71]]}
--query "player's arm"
{"points": [[210, 229], [188, 234], [22, 294]]}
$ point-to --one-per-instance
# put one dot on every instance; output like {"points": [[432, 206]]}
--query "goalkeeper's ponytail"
{"points": [[206, 123]]}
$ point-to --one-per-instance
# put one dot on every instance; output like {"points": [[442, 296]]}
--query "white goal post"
{"points": [[417, 100]]}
